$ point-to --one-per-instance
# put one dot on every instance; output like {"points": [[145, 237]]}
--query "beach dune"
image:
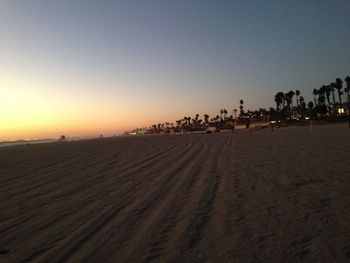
{"points": [[262, 196]]}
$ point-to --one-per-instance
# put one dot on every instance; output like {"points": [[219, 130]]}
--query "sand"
{"points": [[281, 196]]}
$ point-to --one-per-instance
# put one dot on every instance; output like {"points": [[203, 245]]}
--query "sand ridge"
{"points": [[261, 196]]}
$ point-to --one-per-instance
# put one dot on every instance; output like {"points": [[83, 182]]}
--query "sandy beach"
{"points": [[262, 196]]}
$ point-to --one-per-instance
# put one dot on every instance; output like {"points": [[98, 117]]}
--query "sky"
{"points": [[102, 67]]}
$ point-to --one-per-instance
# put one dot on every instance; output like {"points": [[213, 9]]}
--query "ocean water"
{"points": [[36, 141], [24, 142]]}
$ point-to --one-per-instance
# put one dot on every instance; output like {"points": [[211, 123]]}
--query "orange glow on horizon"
{"points": [[45, 106], [28, 110]]}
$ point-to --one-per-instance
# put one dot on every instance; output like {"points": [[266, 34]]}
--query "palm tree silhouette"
{"points": [[217, 118], [327, 90], [315, 93], [225, 113], [290, 96], [321, 99], [321, 95], [347, 89], [185, 121], [297, 93], [310, 106], [221, 112], [195, 121], [302, 104], [339, 86], [332, 86], [286, 98], [241, 107], [206, 118], [279, 98]]}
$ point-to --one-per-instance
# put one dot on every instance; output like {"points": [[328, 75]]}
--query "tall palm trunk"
{"points": [[339, 86], [347, 96], [315, 93], [347, 80], [333, 96], [339, 95]]}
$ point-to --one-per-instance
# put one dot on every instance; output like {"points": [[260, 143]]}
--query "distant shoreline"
{"points": [[24, 142], [4, 144], [38, 141]]}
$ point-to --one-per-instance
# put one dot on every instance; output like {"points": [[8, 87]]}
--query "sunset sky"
{"points": [[91, 67]]}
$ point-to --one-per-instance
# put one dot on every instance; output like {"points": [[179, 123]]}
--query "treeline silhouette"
{"points": [[324, 106]]}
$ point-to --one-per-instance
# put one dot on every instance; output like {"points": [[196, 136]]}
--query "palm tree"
{"points": [[310, 106], [339, 86], [200, 123], [221, 112], [290, 96], [332, 86], [279, 97], [206, 118], [217, 118], [321, 99], [241, 107], [186, 119], [302, 104], [315, 93], [195, 120], [297, 93], [225, 113], [321, 95], [347, 89], [287, 99], [327, 90]]}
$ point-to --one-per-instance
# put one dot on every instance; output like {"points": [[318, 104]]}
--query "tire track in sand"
{"points": [[67, 218], [125, 172], [67, 247], [161, 222], [138, 212]]}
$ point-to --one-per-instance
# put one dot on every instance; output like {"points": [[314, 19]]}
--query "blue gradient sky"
{"points": [[83, 67]]}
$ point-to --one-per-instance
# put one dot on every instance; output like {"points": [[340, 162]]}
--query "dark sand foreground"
{"points": [[263, 196]]}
